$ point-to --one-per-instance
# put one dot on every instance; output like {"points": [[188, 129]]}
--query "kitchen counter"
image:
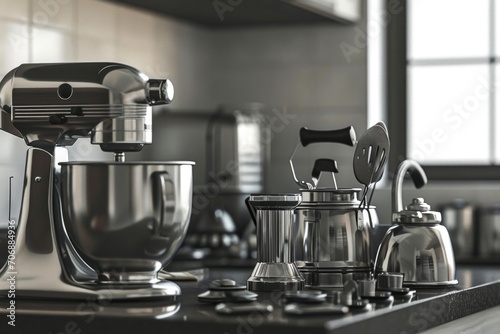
{"points": [[478, 289]]}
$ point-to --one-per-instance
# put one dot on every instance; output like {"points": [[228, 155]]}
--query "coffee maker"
{"points": [[93, 229]]}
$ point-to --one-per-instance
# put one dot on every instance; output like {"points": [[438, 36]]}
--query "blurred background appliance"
{"points": [[459, 219], [237, 150], [489, 233]]}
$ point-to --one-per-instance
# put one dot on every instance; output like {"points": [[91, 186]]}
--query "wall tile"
{"points": [[343, 45], [273, 86], [339, 86], [14, 39], [53, 13], [52, 45], [135, 32], [97, 19], [94, 49], [264, 46], [18, 9]]}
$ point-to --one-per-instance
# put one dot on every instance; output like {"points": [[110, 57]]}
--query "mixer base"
{"points": [[164, 290]]}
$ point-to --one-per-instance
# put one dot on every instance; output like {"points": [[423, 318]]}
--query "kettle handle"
{"points": [[418, 176], [346, 136]]}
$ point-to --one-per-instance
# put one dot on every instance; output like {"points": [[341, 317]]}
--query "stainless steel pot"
{"points": [[332, 236], [126, 219]]}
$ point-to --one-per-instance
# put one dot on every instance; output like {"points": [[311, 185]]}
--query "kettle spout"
{"points": [[417, 175]]}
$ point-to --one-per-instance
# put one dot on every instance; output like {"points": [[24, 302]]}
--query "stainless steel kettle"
{"points": [[333, 233], [418, 245]]}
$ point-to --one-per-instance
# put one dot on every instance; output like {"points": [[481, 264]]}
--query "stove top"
{"points": [[478, 289]]}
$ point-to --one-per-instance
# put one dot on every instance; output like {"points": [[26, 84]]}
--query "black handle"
{"points": [[418, 176], [324, 165], [345, 136]]}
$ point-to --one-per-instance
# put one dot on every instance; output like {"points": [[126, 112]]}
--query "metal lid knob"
{"points": [[159, 91], [418, 204], [417, 212]]}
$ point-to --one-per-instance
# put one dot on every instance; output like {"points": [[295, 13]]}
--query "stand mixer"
{"points": [[92, 229]]}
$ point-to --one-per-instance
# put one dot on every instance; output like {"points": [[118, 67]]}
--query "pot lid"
{"points": [[330, 196], [417, 212], [274, 201]]}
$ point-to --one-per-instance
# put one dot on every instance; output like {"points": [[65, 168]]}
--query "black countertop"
{"points": [[478, 289]]}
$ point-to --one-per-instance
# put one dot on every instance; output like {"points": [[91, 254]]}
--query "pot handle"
{"points": [[251, 210], [165, 192]]}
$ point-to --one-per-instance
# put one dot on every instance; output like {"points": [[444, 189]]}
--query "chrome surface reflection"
{"points": [[275, 268], [332, 236], [126, 220], [419, 247], [420, 253]]}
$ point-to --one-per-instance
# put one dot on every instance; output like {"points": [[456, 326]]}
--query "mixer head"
{"points": [[49, 104]]}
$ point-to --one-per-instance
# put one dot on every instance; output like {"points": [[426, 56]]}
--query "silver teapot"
{"points": [[418, 245]]}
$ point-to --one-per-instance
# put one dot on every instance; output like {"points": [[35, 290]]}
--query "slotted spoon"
{"points": [[371, 155]]}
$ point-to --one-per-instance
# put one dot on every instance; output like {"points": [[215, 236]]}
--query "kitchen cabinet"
{"points": [[231, 13]]}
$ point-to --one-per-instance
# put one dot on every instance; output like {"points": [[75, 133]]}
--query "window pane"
{"points": [[448, 29], [448, 114], [497, 27]]}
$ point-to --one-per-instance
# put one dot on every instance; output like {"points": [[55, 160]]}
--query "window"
{"points": [[443, 58]]}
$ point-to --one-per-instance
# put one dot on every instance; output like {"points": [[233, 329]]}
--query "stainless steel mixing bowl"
{"points": [[126, 219]]}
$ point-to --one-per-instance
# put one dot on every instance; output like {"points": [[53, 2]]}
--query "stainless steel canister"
{"points": [[458, 218], [489, 233], [333, 236]]}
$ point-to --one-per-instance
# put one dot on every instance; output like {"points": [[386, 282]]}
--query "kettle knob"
{"points": [[417, 212]]}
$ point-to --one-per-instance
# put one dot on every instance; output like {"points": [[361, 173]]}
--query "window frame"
{"points": [[397, 75]]}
